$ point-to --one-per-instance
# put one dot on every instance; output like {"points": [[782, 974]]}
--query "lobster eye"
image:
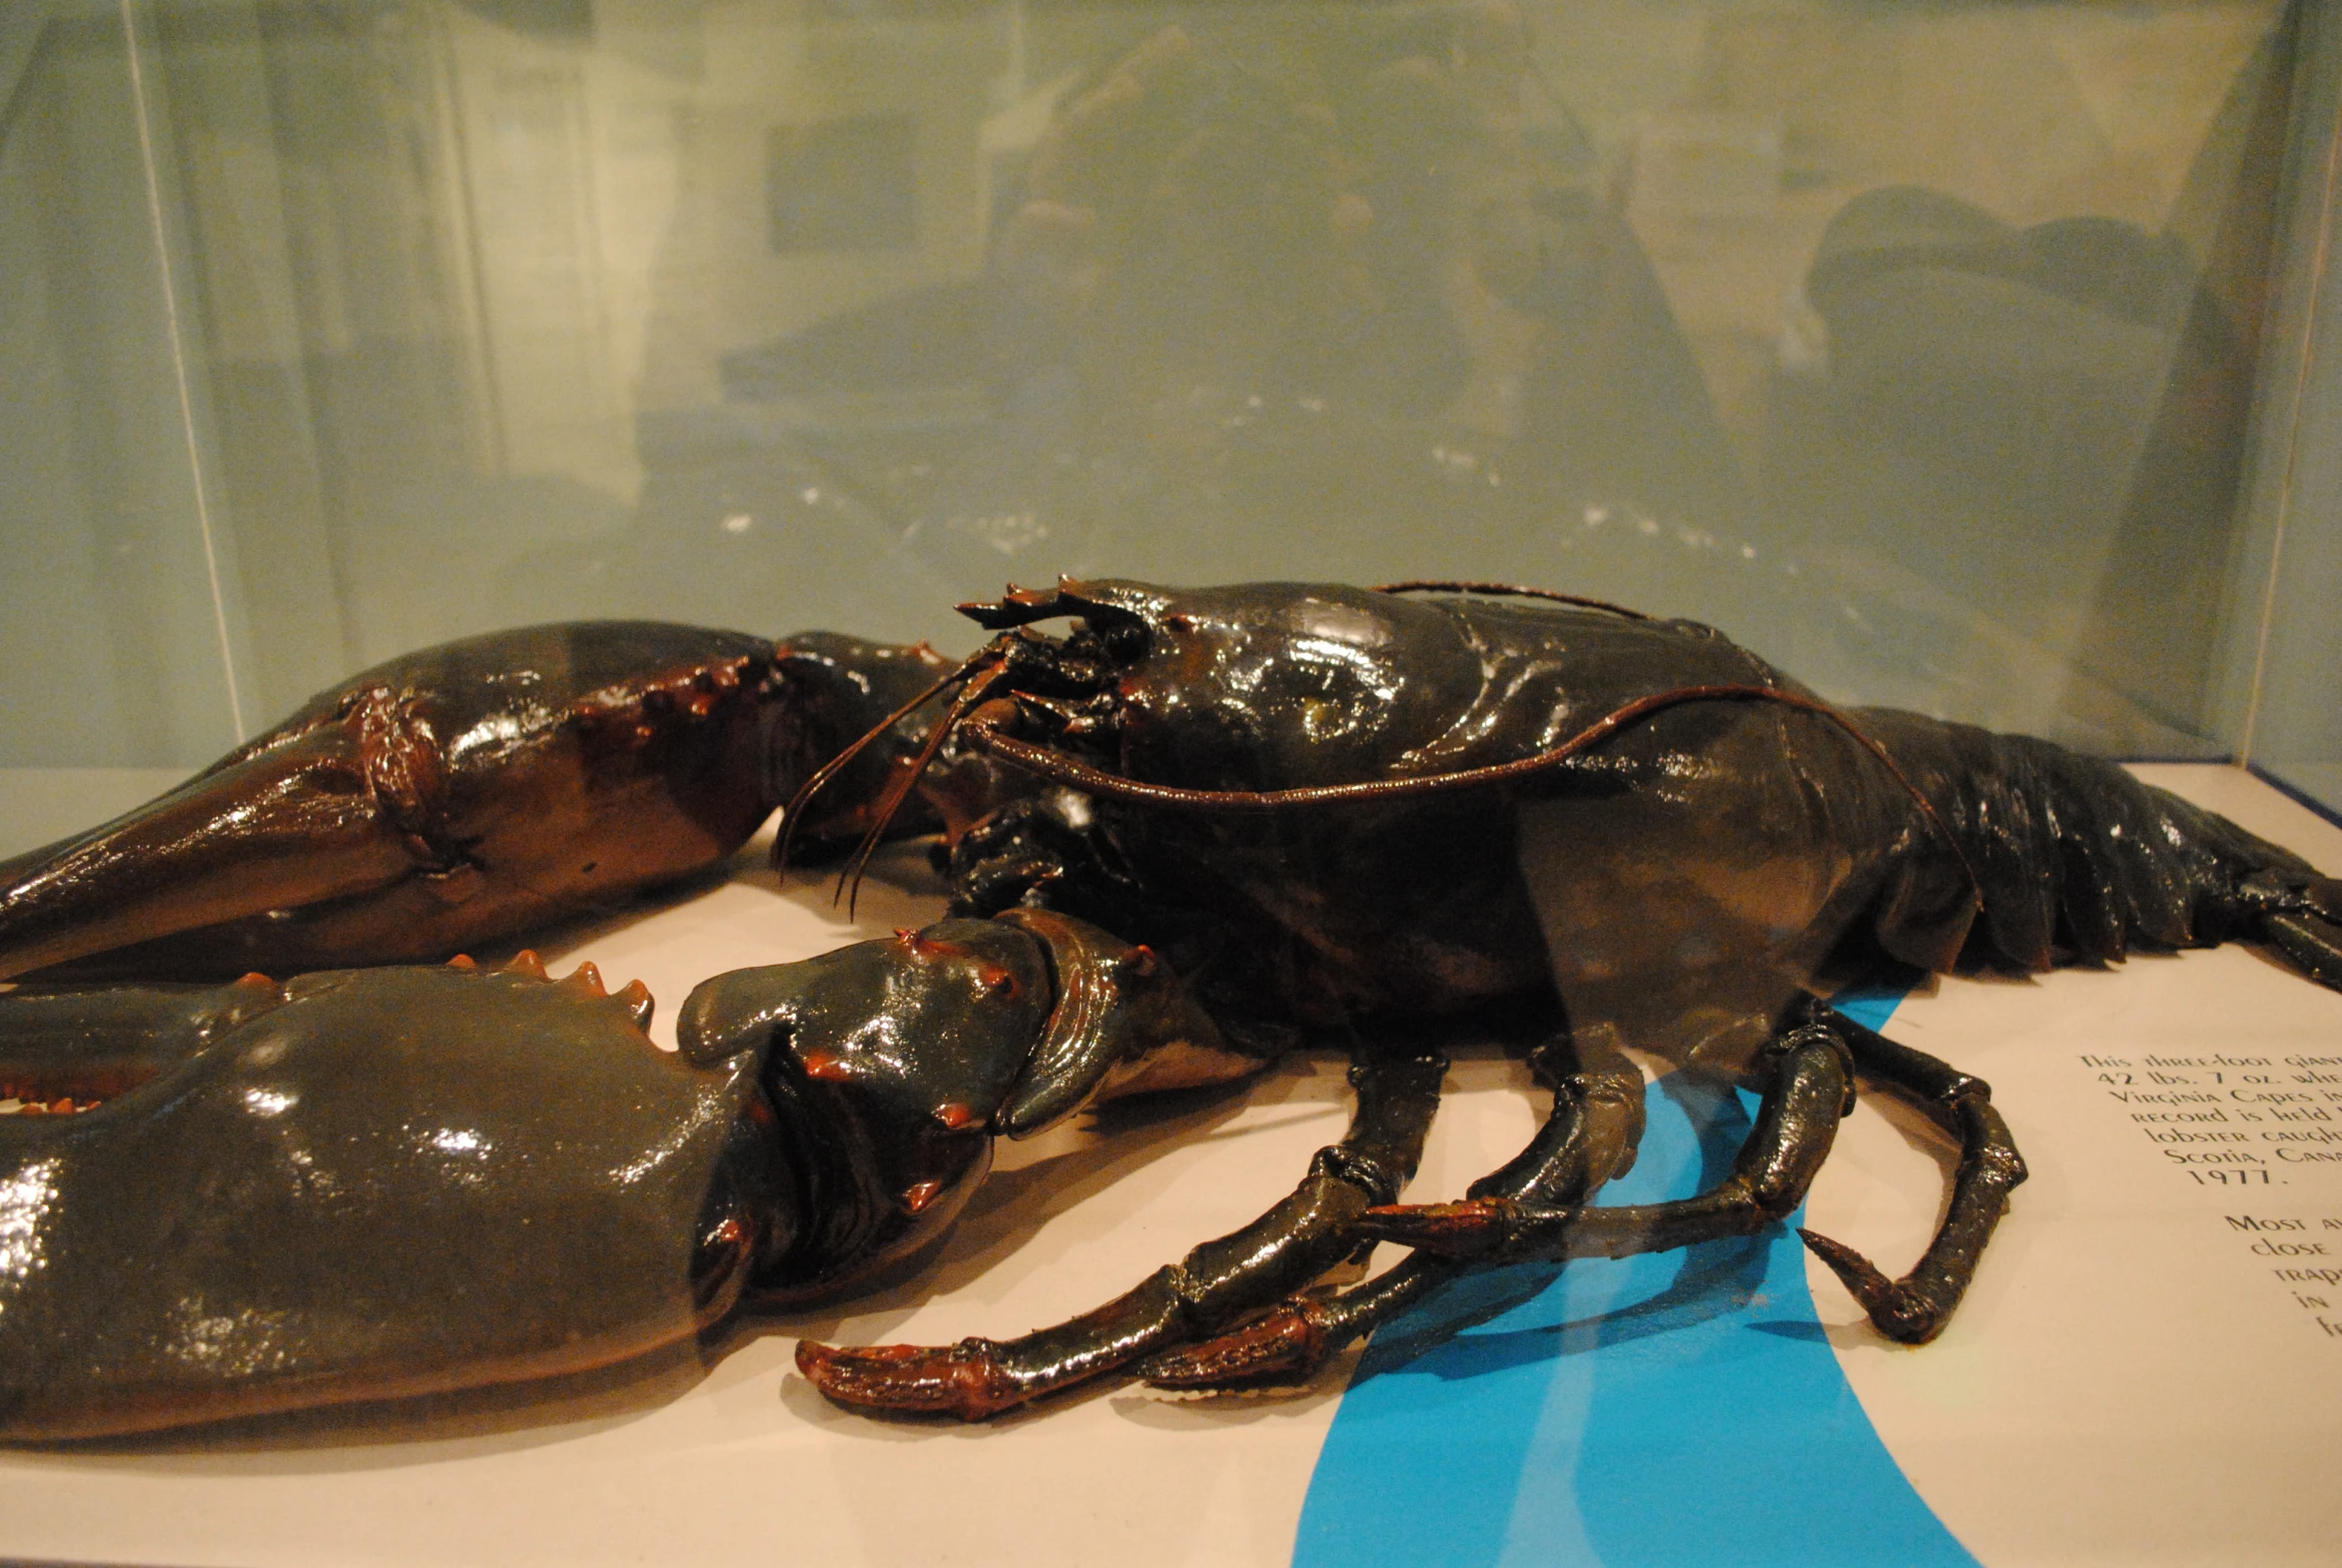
{"points": [[1125, 642]]}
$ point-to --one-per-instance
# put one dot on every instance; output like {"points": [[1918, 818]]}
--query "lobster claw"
{"points": [[289, 821], [1124, 1024], [454, 797], [886, 1064], [893, 1065]]}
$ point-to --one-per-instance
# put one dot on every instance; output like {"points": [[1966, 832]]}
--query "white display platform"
{"points": [[2130, 1382]]}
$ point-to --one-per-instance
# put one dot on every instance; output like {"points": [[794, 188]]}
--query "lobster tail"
{"points": [[2075, 859], [2305, 924]]}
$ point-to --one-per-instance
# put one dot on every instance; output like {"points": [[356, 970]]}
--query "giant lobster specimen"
{"points": [[1197, 830]]}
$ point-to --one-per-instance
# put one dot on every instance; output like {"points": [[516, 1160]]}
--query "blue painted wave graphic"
{"points": [[1681, 1408]]}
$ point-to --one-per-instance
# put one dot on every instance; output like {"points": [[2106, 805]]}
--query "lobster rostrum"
{"points": [[1198, 830], [1359, 812]]}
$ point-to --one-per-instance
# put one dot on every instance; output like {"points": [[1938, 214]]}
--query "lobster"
{"points": [[1200, 829]]}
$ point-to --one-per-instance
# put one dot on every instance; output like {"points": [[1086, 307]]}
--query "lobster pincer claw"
{"points": [[456, 796], [896, 1063], [964, 1381], [359, 1185]]}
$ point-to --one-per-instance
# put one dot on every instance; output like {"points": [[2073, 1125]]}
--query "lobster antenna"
{"points": [[1505, 590], [899, 790], [838, 765], [1060, 768]]}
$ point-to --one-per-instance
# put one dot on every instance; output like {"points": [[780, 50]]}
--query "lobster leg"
{"points": [[1588, 1138], [1796, 1124], [1291, 1244], [1914, 1308]]}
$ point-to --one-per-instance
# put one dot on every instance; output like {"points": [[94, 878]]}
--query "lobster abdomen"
{"points": [[2074, 858]]}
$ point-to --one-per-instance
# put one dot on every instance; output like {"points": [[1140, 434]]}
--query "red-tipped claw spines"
{"points": [[915, 1197], [585, 978], [823, 1067]]}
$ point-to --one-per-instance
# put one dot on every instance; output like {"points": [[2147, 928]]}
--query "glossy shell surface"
{"points": [[390, 1182]]}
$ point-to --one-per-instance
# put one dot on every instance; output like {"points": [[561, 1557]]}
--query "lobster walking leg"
{"points": [[1588, 1138], [1795, 1126], [1914, 1308], [1291, 1244], [1809, 1088]]}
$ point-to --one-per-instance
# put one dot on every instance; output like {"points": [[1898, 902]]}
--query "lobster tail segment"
{"points": [[2077, 860], [2304, 923]]}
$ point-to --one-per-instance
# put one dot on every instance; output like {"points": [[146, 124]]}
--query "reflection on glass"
{"points": [[1914, 346]]}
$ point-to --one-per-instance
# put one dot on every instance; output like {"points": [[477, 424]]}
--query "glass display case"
{"points": [[1951, 356], [1975, 358]]}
